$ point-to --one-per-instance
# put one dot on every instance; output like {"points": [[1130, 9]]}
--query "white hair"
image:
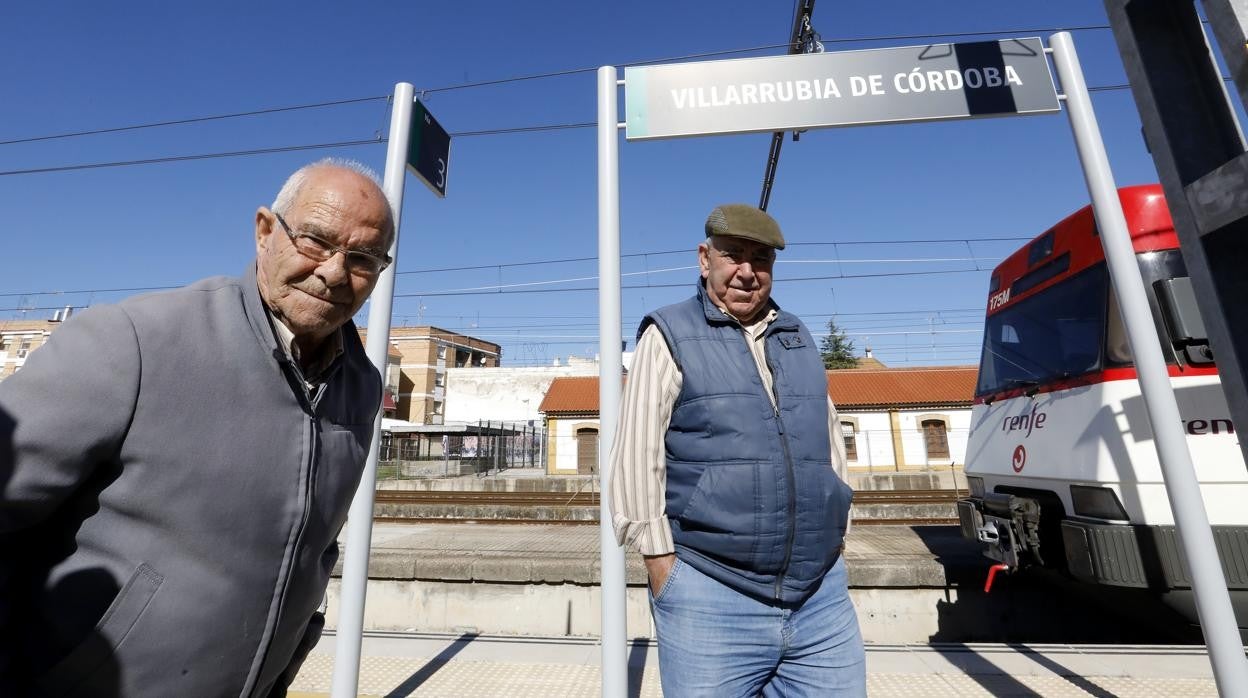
{"points": [[290, 190]]}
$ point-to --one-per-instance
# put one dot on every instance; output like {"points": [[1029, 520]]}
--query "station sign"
{"points": [[428, 150], [845, 88]]}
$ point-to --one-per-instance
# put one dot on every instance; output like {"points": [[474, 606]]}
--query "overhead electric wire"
{"points": [[279, 149], [193, 120], [564, 260], [438, 294], [539, 76], [183, 158], [540, 262], [555, 290], [344, 144], [521, 78]]}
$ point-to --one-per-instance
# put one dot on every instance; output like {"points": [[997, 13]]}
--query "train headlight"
{"points": [[1097, 502], [976, 486]]}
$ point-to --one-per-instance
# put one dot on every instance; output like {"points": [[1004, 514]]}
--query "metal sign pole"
{"points": [[1213, 602], [360, 519], [611, 584]]}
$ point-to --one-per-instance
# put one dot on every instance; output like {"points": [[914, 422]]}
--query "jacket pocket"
{"points": [[111, 630], [838, 497], [726, 514]]}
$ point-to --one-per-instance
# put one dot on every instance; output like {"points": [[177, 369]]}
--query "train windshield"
{"points": [[1057, 333]]}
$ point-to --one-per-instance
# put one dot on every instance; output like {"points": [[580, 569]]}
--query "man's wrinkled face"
{"points": [[314, 298], [738, 275]]}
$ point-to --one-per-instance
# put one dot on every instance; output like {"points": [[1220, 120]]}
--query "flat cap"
{"points": [[745, 221]]}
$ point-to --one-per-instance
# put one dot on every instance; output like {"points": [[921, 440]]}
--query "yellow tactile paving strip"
{"points": [[405, 676]]}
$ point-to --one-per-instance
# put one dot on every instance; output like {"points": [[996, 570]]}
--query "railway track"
{"points": [[432, 506], [457, 498], [904, 521], [586, 499]]}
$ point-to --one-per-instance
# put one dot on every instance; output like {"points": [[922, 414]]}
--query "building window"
{"points": [[439, 379], [851, 440], [442, 351], [936, 438]]}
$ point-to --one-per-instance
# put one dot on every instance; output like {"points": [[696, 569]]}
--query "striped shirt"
{"points": [[638, 462]]}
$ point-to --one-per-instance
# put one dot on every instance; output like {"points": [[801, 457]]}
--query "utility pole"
{"points": [[801, 36]]}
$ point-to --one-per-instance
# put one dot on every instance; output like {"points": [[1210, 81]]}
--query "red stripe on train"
{"points": [[1105, 376]]}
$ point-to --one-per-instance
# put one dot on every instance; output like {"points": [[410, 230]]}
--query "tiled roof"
{"points": [[902, 387], [852, 387], [571, 395]]}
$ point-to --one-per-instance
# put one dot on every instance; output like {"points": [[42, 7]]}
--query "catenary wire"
{"points": [[550, 261], [184, 158], [193, 120], [567, 290], [339, 144], [522, 78], [435, 294], [563, 260]]}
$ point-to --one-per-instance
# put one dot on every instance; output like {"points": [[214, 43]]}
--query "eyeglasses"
{"points": [[320, 249]]}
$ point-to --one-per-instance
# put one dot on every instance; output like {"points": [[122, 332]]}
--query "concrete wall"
{"points": [[493, 608], [958, 423], [428, 352], [885, 614], [875, 445], [503, 394], [875, 437], [561, 445]]}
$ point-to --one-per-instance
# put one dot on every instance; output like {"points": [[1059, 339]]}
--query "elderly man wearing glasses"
{"points": [[175, 469]]}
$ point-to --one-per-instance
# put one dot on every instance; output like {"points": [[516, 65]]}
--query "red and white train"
{"points": [[1061, 464]]}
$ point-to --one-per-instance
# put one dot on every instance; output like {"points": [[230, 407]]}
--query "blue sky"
{"points": [[528, 197]]}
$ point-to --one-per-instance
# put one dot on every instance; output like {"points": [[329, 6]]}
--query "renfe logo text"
{"points": [[1024, 422]]}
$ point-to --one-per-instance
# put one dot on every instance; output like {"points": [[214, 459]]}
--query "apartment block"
{"points": [[18, 338], [427, 352]]}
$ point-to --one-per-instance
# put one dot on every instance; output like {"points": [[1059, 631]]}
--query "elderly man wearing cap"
{"points": [[728, 476]]}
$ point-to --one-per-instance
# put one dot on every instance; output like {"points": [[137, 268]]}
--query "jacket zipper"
{"points": [[791, 509], [306, 489]]}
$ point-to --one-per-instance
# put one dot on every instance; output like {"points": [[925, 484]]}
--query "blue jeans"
{"points": [[714, 641]]}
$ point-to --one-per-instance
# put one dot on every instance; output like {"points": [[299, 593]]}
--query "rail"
{"points": [[514, 501]]}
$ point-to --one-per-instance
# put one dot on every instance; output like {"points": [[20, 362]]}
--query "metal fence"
{"points": [[478, 449], [881, 451]]}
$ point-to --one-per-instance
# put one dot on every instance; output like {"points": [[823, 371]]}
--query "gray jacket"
{"points": [[171, 498]]}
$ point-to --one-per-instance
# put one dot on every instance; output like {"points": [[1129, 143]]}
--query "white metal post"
{"points": [[1213, 602], [360, 519], [614, 624]]}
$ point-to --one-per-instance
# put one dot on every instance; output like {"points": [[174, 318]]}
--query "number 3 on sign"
{"points": [[441, 173]]}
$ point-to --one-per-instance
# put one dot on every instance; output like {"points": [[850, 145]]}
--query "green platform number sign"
{"points": [[429, 150]]}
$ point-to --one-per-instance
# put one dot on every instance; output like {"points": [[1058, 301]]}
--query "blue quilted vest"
{"points": [[751, 494]]}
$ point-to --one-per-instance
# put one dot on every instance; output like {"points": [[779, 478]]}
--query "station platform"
{"points": [[877, 555], [909, 584], [471, 666]]}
